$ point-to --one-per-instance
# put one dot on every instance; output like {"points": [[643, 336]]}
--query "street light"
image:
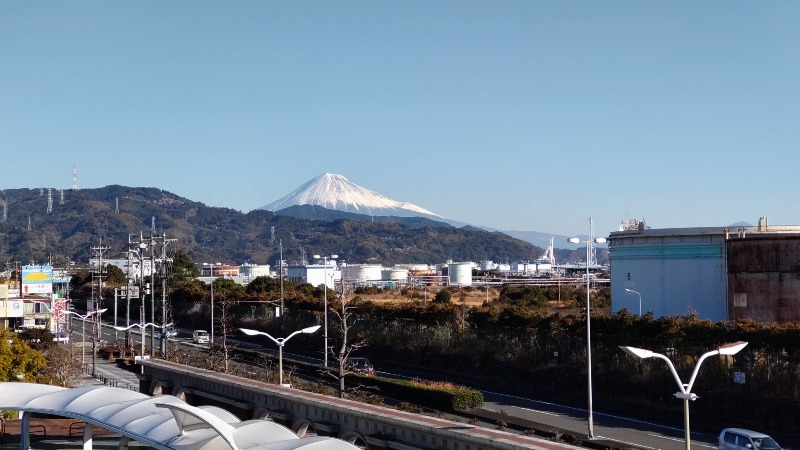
{"points": [[588, 242], [640, 299], [211, 266], [325, 302], [280, 342], [685, 390], [83, 332]]}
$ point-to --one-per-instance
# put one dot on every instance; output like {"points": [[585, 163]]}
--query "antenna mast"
{"points": [[593, 256]]}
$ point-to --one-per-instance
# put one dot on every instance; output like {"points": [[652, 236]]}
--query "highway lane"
{"points": [[637, 433], [629, 430]]}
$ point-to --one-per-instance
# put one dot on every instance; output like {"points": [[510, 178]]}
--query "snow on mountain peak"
{"points": [[336, 192]]}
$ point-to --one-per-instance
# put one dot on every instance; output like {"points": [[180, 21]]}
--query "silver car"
{"points": [[741, 439]]}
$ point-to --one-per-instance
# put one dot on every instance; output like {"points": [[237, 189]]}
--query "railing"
{"points": [[73, 425], [108, 381]]}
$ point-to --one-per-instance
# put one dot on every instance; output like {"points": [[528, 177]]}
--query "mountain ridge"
{"points": [[109, 216]]}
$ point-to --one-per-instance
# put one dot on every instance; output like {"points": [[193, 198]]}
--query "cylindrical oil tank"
{"points": [[460, 273], [394, 274], [362, 272], [488, 265], [413, 267]]}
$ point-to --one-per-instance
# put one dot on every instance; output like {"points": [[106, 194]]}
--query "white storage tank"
{"points": [[460, 273], [362, 272], [413, 267], [394, 274], [503, 268]]}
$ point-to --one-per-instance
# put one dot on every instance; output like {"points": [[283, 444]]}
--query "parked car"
{"points": [[359, 365], [741, 439], [200, 337]]}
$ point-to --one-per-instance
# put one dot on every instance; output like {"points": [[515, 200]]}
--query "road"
{"points": [[627, 430], [606, 426]]}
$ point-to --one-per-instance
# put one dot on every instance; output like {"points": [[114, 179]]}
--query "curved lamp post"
{"points": [[640, 299], [280, 342], [685, 390], [211, 266], [588, 242], [325, 303], [83, 332]]}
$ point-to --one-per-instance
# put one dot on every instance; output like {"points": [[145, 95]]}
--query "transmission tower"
{"points": [[74, 178], [62, 196], [116, 205], [272, 234], [29, 223], [5, 212], [49, 200]]}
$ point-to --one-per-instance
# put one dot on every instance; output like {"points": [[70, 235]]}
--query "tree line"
{"points": [[533, 341]]}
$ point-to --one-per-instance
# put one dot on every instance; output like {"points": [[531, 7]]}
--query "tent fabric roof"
{"points": [[163, 422]]}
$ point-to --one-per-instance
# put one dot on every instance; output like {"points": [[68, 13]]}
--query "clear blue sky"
{"points": [[525, 115]]}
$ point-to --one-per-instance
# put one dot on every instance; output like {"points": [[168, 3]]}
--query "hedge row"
{"points": [[443, 398]]}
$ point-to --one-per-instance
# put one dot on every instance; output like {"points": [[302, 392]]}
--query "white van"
{"points": [[200, 337]]}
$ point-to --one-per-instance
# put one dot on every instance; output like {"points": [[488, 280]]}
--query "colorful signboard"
{"points": [[37, 280], [59, 306]]}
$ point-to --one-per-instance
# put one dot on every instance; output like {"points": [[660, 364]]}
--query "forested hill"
{"points": [[107, 216]]}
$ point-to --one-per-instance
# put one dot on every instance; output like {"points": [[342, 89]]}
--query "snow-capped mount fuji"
{"points": [[336, 192]]}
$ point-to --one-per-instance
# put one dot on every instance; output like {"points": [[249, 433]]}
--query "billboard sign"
{"points": [[37, 280]]}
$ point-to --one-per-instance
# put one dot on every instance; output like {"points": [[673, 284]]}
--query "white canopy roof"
{"points": [[163, 422]]}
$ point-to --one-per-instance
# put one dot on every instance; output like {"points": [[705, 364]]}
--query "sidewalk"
{"points": [[110, 374]]}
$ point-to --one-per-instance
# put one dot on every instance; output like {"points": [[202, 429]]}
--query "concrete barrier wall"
{"points": [[374, 427]]}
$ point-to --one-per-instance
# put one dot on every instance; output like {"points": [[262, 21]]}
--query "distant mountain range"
{"points": [[38, 229]]}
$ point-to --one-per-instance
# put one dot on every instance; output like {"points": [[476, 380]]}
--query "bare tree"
{"points": [[62, 366], [343, 310], [226, 326]]}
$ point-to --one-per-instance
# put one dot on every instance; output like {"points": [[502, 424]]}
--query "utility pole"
{"points": [[283, 320], [128, 290], [97, 324], [163, 268], [142, 292]]}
